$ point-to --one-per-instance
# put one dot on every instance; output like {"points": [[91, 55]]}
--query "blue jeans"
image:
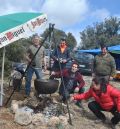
{"points": [[30, 71]]}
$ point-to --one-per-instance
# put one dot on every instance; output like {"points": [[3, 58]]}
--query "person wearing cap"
{"points": [[106, 98], [73, 82], [37, 62], [60, 55], [104, 64]]}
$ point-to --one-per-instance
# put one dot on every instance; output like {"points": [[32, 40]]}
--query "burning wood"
{"points": [[47, 107]]}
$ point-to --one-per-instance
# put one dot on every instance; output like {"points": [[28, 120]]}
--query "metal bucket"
{"points": [[43, 86]]}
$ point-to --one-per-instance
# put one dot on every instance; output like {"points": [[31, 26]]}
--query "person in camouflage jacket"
{"points": [[104, 65]]}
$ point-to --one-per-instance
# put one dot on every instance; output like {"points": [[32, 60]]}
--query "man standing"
{"points": [[104, 65], [61, 55], [37, 63]]}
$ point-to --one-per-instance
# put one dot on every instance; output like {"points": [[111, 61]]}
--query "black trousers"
{"points": [[96, 109]]}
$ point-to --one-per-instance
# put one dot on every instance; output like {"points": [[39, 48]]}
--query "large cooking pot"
{"points": [[43, 86]]}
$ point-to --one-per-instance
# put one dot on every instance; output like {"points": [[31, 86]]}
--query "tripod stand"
{"points": [[62, 80], [50, 32]]}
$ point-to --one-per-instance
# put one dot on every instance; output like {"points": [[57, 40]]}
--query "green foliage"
{"points": [[71, 41], [14, 53], [56, 36], [105, 32], [7, 65]]}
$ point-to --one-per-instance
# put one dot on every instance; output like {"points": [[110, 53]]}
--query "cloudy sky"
{"points": [[69, 15]]}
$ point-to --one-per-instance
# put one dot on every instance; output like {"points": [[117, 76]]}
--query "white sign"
{"points": [[19, 32]]}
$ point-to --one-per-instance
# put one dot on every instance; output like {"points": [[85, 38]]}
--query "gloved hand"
{"points": [[64, 61], [111, 78], [93, 75], [76, 90], [61, 60], [72, 99], [52, 73]]}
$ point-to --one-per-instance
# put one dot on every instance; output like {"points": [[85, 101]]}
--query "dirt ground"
{"points": [[84, 119]]}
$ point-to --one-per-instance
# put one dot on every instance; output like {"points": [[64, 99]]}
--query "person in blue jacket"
{"points": [[60, 55]]}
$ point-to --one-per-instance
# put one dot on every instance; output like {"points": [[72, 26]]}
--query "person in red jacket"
{"points": [[107, 98], [73, 81]]}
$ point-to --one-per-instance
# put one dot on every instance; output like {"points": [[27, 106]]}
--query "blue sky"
{"points": [[69, 15]]}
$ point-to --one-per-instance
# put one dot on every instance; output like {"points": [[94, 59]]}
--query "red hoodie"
{"points": [[106, 100]]}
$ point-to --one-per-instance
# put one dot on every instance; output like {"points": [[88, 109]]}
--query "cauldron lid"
{"points": [[46, 80]]}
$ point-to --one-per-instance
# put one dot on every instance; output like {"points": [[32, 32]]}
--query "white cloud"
{"points": [[12, 6], [101, 14], [65, 13]]}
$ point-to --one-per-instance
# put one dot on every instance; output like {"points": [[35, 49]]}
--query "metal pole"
{"points": [[2, 79], [62, 81], [50, 26]]}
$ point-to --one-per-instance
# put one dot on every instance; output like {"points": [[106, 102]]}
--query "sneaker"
{"points": [[79, 104], [99, 121]]}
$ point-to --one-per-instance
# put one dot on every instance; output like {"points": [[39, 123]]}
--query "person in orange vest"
{"points": [[60, 55]]}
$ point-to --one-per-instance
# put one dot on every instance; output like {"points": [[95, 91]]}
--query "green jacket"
{"points": [[104, 65]]}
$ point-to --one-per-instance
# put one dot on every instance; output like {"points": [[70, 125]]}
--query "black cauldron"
{"points": [[43, 86]]}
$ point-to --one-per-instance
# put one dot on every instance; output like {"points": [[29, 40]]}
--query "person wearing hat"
{"points": [[104, 64], [60, 55], [73, 82], [37, 62], [106, 98]]}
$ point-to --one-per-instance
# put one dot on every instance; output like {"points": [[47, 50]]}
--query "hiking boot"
{"points": [[112, 126], [26, 96]]}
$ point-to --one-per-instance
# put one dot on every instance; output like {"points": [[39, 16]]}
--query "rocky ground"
{"points": [[81, 118]]}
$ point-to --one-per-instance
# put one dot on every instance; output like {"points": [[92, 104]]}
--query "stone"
{"points": [[14, 106], [53, 121], [64, 120], [23, 117], [38, 119]]}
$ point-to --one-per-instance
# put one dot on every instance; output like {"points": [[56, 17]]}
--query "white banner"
{"points": [[19, 32]]}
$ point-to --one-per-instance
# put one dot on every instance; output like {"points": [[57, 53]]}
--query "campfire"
{"points": [[43, 110], [49, 108]]}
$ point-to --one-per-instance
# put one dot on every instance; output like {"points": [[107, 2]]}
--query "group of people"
{"points": [[106, 97]]}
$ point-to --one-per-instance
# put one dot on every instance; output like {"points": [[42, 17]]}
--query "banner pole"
{"points": [[2, 79]]}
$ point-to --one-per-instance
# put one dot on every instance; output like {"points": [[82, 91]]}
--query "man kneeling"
{"points": [[72, 81]]}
